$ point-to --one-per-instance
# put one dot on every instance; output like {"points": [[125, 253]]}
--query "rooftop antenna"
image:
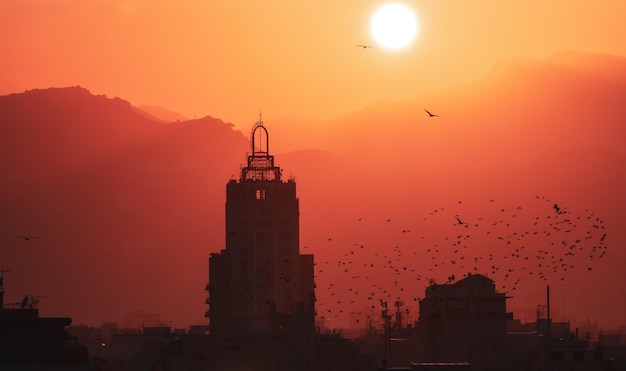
{"points": [[548, 310], [32, 301], [2, 271], [260, 165], [398, 303], [386, 331]]}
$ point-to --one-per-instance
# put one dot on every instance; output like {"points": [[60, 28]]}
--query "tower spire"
{"points": [[260, 165]]}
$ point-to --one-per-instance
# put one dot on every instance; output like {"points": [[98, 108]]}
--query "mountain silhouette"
{"points": [[129, 207]]}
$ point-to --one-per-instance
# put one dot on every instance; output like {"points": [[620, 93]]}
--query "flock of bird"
{"points": [[536, 243]]}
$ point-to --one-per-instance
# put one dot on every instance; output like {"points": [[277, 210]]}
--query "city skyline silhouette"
{"points": [[384, 258], [486, 145]]}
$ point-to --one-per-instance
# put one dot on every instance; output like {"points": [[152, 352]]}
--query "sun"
{"points": [[393, 26]]}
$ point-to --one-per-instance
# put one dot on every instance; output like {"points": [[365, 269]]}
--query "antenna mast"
{"points": [[260, 165], [2, 271]]}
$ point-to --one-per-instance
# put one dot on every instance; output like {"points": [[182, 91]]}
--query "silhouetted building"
{"points": [[549, 345], [465, 322], [260, 286], [33, 342]]}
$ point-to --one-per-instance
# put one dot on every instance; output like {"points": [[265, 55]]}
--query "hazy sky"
{"points": [[231, 58]]}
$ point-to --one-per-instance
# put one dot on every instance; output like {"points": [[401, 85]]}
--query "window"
{"points": [[260, 194]]}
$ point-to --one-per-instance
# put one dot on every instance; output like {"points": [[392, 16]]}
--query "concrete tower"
{"points": [[260, 277]]}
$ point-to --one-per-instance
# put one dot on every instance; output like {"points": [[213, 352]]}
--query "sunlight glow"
{"points": [[393, 26]]}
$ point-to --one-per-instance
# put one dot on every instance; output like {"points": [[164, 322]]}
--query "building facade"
{"points": [[465, 321], [260, 286]]}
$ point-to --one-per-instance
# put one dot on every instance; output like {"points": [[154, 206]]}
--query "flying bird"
{"points": [[26, 238], [430, 114], [364, 46], [459, 220]]}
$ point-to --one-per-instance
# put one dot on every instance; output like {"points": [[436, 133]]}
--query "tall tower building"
{"points": [[260, 277]]}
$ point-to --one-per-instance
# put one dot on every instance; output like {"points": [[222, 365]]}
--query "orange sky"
{"points": [[230, 59]]}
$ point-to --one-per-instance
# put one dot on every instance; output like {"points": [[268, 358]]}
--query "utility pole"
{"points": [[386, 332]]}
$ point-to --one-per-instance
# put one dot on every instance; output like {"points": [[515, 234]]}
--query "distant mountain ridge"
{"points": [[101, 182], [162, 113], [523, 102]]}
